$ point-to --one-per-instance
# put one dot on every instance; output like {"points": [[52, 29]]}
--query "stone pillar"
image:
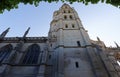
{"points": [[113, 66], [18, 51], [41, 71], [42, 67], [60, 62], [18, 58], [4, 68], [110, 64], [55, 64], [96, 63]]}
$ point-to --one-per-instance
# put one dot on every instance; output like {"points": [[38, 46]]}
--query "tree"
{"points": [[11, 4]]}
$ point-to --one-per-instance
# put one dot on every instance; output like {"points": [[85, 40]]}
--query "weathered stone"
{"points": [[66, 52]]}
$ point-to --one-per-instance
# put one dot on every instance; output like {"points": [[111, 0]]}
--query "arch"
{"points": [[77, 64], [65, 17], [73, 25], [78, 43], [66, 25], [69, 11], [64, 11], [71, 17], [32, 54], [5, 52]]}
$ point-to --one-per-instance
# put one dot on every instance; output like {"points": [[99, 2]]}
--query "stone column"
{"points": [[18, 51], [42, 67], [4, 68], [96, 63], [41, 71], [60, 62]]}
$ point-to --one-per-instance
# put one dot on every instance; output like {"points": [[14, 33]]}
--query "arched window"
{"points": [[76, 64], [64, 11], [5, 52], [71, 17], [73, 25], [78, 43], [51, 45], [68, 11], [49, 56], [31, 57], [66, 26], [65, 17]]}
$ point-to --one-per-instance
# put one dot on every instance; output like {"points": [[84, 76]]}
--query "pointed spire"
{"points": [[65, 4], [98, 39], [116, 44], [26, 32], [4, 33]]}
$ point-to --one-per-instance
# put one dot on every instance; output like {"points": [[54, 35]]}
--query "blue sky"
{"points": [[101, 20]]}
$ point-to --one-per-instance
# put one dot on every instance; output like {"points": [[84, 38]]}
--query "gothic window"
{"points": [[49, 56], [51, 45], [68, 11], [78, 43], [76, 64], [64, 11], [66, 26], [53, 35], [31, 57], [65, 17], [71, 17], [73, 25], [5, 52]]}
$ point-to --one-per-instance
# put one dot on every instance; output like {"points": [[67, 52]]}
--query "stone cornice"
{"points": [[26, 39], [74, 46], [66, 29]]}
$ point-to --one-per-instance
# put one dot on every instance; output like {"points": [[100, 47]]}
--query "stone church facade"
{"points": [[66, 52]]}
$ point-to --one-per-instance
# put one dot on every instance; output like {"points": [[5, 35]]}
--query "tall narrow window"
{"points": [[49, 56], [5, 52], [76, 64], [71, 17], [66, 26], [51, 45], [64, 11], [68, 11], [65, 17], [31, 57], [73, 25], [78, 43]]}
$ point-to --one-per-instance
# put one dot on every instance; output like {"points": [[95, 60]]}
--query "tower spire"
{"points": [[98, 39], [26, 32], [116, 44], [3, 34]]}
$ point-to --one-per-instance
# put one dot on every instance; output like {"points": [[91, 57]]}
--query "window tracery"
{"points": [[5, 52], [32, 55]]}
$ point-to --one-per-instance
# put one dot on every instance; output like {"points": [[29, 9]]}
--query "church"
{"points": [[68, 51]]}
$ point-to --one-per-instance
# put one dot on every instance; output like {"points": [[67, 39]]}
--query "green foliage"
{"points": [[11, 4]]}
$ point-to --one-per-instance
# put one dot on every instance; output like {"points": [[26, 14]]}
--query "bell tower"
{"points": [[68, 39], [66, 29], [73, 53]]}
